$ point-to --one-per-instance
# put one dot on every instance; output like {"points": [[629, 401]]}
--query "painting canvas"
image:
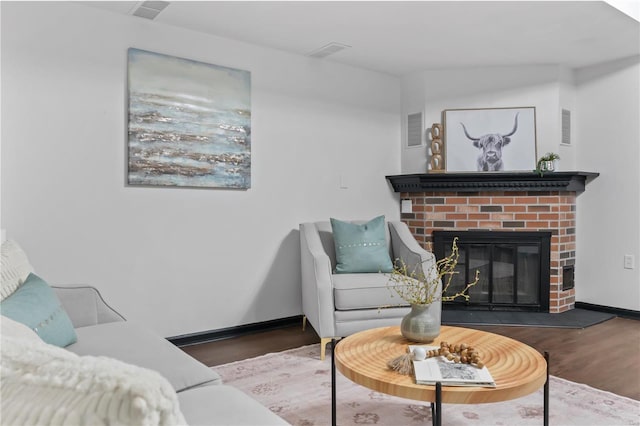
{"points": [[490, 140], [189, 123]]}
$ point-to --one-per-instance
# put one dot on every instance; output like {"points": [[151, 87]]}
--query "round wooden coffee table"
{"points": [[517, 369]]}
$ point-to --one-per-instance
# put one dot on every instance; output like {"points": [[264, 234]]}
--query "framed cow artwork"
{"points": [[490, 139]]}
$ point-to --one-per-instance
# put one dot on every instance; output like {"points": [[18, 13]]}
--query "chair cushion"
{"points": [[136, 345], [364, 291], [36, 305], [361, 247]]}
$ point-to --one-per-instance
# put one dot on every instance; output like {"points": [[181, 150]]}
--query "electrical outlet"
{"points": [[629, 261], [343, 181]]}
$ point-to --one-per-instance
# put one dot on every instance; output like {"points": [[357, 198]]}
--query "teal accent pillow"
{"points": [[361, 247], [36, 305]]}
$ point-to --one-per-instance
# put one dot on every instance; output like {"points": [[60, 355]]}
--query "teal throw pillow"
{"points": [[36, 305], [361, 247]]}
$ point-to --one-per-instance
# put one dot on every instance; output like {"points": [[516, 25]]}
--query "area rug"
{"points": [[296, 385]]}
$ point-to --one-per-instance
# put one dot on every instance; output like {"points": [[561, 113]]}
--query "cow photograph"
{"points": [[490, 140]]}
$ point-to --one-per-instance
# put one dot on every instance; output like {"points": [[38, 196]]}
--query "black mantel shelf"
{"points": [[488, 181]]}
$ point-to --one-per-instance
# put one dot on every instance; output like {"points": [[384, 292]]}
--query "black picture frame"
{"points": [[490, 139]]}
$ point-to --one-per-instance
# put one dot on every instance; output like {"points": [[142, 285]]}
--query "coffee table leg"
{"points": [[546, 393], [333, 382], [436, 407]]}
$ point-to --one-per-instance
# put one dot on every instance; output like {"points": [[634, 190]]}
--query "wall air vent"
{"points": [[566, 127], [328, 49], [414, 129], [149, 9]]}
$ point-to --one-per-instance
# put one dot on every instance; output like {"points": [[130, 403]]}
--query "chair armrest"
{"points": [[85, 306], [317, 288], [406, 248]]}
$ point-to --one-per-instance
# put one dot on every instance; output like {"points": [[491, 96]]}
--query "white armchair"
{"points": [[337, 305]]}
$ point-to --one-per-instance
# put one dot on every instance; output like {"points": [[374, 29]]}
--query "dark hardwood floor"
{"points": [[237, 348], [605, 356]]}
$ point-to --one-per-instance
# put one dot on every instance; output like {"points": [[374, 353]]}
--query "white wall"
{"points": [[605, 133], [567, 100], [608, 135], [433, 91], [180, 260]]}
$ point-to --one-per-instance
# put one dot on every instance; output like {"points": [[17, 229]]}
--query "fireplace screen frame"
{"points": [[541, 239]]}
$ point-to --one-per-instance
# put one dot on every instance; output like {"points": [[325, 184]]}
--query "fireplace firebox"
{"points": [[514, 268]]}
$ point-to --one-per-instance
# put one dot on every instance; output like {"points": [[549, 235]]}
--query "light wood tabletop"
{"points": [[517, 369]]}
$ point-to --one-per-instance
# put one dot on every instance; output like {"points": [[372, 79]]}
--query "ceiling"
{"points": [[399, 38]]}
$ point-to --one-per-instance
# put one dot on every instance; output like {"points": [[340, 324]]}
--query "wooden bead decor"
{"points": [[437, 154], [461, 354], [402, 364]]}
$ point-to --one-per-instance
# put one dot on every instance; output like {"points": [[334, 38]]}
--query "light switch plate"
{"points": [[406, 206], [629, 261]]}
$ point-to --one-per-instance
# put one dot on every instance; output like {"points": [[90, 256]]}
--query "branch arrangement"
{"points": [[416, 288]]}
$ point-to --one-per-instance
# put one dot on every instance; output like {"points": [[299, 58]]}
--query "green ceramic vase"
{"points": [[422, 324]]}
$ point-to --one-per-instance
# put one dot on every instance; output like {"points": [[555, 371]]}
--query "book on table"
{"points": [[450, 373]]}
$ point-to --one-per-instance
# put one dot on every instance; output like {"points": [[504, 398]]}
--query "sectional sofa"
{"points": [[113, 372]]}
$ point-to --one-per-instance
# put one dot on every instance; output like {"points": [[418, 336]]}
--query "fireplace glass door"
{"points": [[514, 269]]}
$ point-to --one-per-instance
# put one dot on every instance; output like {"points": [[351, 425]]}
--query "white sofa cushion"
{"points": [[46, 385], [14, 268], [137, 345], [229, 407]]}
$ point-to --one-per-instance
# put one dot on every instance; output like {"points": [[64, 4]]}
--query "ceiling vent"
{"points": [[328, 49], [149, 9]]}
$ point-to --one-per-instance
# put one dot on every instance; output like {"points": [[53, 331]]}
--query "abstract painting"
{"points": [[189, 123]]}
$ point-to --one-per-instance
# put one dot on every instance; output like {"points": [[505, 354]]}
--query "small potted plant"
{"points": [[547, 163]]}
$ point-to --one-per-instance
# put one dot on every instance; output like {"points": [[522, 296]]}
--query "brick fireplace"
{"points": [[501, 202]]}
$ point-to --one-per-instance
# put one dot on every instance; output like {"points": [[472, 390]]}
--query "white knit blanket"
{"points": [[46, 385]]}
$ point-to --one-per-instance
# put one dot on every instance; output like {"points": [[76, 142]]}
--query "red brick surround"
{"points": [[553, 211]]}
